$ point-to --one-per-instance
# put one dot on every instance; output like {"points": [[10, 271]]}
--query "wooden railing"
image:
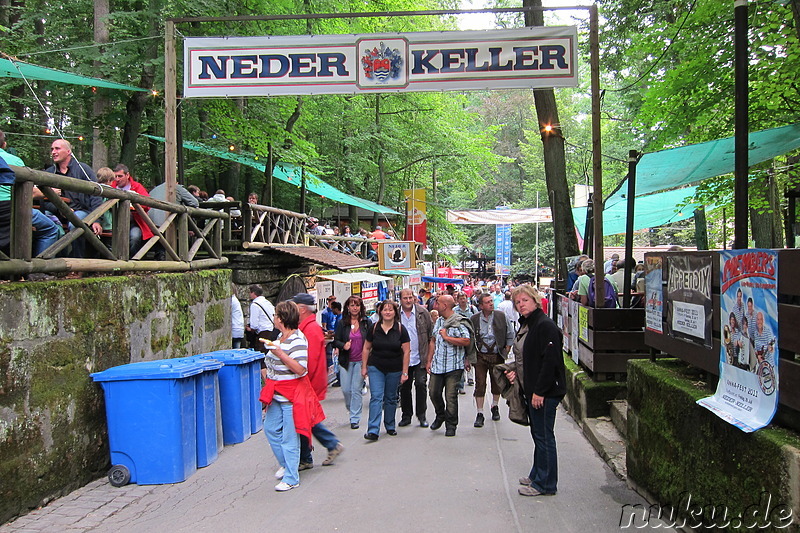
{"points": [[191, 238]]}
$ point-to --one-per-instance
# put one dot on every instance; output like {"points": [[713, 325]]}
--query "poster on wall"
{"points": [[654, 293], [688, 312], [574, 328], [564, 312], [747, 392], [583, 321]]}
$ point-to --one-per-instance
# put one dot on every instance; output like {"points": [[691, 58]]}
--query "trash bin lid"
{"points": [[162, 369], [234, 357], [205, 362]]}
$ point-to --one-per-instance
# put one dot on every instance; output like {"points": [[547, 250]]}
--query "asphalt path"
{"points": [[417, 481]]}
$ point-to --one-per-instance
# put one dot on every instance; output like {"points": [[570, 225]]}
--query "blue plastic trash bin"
{"points": [[207, 409], [235, 390], [151, 415]]}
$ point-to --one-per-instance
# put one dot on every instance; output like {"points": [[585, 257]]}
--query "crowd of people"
{"points": [[408, 355], [580, 281]]}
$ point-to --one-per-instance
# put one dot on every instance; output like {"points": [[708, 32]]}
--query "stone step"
{"points": [[609, 443], [619, 416]]}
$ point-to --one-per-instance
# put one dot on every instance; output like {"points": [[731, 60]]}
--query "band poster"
{"points": [[747, 393], [653, 293], [688, 305]]}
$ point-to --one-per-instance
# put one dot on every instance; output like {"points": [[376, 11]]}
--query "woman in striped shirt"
{"points": [[293, 407]]}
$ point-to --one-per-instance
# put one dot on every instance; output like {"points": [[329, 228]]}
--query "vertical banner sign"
{"points": [[654, 293], [417, 221], [747, 392], [574, 328], [689, 309], [502, 261], [565, 322], [583, 322]]}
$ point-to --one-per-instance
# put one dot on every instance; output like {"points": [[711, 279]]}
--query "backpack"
{"points": [[610, 300]]}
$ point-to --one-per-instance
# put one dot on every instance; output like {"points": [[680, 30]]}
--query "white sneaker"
{"points": [[283, 486], [280, 473]]}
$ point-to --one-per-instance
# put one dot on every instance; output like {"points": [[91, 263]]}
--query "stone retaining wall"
{"points": [[54, 334]]}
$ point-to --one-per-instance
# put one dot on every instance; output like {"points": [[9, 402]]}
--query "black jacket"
{"points": [[543, 360], [341, 335]]}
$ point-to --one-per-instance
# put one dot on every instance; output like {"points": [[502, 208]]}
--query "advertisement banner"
{"points": [[574, 328], [654, 293], [393, 255], [417, 216], [583, 321], [525, 58], [689, 305], [747, 392], [502, 261], [564, 312]]}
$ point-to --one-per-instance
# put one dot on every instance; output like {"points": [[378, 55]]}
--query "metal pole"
{"points": [[433, 245], [633, 159], [303, 188], [536, 260], [740, 239], [597, 161]]}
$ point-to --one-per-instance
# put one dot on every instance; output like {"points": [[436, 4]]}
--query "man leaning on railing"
{"points": [[65, 164]]}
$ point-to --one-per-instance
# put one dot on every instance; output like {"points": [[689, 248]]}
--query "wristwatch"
{"points": [[405, 374]]}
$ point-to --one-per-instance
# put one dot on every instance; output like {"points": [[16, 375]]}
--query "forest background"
{"points": [[666, 76]]}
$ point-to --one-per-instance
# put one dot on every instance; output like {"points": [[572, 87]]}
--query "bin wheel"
{"points": [[119, 476]]}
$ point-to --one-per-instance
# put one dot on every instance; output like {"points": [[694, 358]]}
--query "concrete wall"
{"points": [[54, 334], [686, 457]]}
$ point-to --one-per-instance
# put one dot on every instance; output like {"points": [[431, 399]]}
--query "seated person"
{"points": [[65, 164], [140, 231]]}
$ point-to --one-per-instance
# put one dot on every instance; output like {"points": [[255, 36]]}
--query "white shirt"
{"points": [[507, 307], [259, 319], [237, 318], [411, 325]]}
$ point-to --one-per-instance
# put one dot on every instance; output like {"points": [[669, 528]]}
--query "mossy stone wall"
{"points": [[586, 398], [679, 449], [54, 334]]}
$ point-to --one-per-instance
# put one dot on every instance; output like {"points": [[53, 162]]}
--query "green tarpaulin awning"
{"points": [[667, 170], [290, 174], [19, 69]]}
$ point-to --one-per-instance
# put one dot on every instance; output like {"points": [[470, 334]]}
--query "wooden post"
{"points": [[21, 246], [741, 126], [170, 124], [633, 159], [597, 161]]}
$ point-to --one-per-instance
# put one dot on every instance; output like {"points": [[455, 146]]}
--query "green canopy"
{"points": [[676, 167], [19, 69], [290, 174], [651, 211]]}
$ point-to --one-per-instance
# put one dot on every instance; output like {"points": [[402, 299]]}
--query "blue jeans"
{"points": [[283, 439], [447, 407], [79, 244], [544, 473], [352, 382], [382, 398], [46, 232], [325, 437], [135, 241]]}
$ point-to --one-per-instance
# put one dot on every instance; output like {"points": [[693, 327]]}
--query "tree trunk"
{"points": [[100, 105], [795, 4], [555, 166], [763, 219], [137, 102]]}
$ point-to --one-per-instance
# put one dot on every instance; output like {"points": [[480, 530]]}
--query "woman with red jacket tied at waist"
{"points": [[292, 404]]}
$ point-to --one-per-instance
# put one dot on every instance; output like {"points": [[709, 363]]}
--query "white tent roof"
{"points": [[500, 216]]}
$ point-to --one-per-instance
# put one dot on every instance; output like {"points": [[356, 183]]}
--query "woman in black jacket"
{"points": [[348, 338], [540, 364]]}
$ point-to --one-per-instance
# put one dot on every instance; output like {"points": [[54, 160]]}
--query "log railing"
{"points": [[191, 238]]}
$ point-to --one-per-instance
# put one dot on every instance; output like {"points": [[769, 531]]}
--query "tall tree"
{"points": [[555, 165]]}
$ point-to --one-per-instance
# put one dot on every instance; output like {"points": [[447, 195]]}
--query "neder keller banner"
{"points": [[747, 392], [540, 57]]}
